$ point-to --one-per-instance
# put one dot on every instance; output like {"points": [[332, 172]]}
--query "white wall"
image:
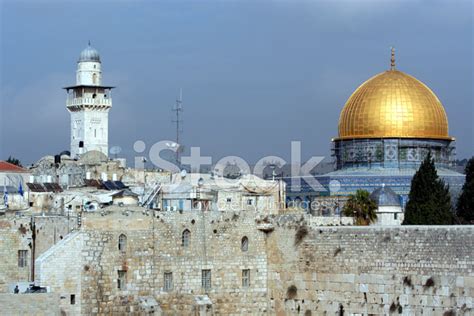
{"points": [[66, 280]]}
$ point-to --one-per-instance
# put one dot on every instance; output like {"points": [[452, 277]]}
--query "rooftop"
{"points": [[9, 167]]}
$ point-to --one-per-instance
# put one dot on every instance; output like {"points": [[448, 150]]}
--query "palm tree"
{"points": [[361, 207]]}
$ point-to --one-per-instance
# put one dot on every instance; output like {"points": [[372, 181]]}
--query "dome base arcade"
{"points": [[391, 152]]}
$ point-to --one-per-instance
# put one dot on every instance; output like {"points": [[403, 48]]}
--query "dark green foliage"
{"points": [[291, 292], [14, 161], [465, 205], [407, 282], [429, 201], [301, 233], [393, 307], [429, 283], [361, 207]]}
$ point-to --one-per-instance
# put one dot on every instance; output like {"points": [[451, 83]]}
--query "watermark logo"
{"points": [[196, 162]]}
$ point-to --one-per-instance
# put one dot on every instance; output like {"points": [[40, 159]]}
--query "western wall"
{"points": [[295, 267]]}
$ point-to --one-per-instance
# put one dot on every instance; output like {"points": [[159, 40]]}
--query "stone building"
{"points": [[389, 206], [23, 238], [89, 103], [13, 181], [204, 191], [385, 130]]}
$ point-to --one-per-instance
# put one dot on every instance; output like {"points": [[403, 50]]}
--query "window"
{"points": [[229, 200], [168, 280], [122, 276], [246, 277], [249, 202], [394, 215], [122, 243], [94, 78], [185, 238], [22, 258], [206, 279], [73, 299], [244, 245]]}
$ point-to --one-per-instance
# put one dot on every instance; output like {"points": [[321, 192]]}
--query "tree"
{"points": [[465, 205], [429, 201], [14, 161], [361, 207]]}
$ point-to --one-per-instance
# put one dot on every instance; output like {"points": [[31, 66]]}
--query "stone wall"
{"points": [[59, 269], [153, 247], [370, 270], [296, 266], [16, 235], [41, 304]]}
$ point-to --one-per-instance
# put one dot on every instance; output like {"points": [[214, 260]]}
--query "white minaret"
{"points": [[89, 103]]}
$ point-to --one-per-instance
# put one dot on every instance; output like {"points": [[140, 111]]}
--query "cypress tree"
{"points": [[465, 205], [429, 201]]}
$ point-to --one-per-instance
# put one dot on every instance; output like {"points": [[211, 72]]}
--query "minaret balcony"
{"points": [[89, 102]]}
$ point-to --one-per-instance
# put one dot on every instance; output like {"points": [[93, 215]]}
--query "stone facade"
{"points": [[368, 270], [16, 236], [43, 304], [294, 265]]}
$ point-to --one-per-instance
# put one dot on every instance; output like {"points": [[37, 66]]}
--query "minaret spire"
{"points": [[392, 59]]}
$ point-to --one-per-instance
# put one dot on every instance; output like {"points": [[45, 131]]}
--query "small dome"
{"points": [[385, 196], [89, 54]]}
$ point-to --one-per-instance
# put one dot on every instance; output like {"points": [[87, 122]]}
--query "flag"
{"points": [[5, 195], [20, 189]]}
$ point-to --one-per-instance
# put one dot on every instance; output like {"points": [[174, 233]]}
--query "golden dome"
{"points": [[393, 104]]}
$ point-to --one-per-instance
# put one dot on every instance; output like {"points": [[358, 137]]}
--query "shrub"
{"points": [[429, 283], [291, 292], [301, 233], [407, 282]]}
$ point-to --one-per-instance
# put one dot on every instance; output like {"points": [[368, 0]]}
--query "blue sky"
{"points": [[255, 74]]}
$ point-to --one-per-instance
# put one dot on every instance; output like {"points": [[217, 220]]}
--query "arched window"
{"points": [[94, 78], [244, 245], [122, 243], [185, 238]]}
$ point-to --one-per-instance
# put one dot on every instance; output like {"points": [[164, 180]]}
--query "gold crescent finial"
{"points": [[392, 59]]}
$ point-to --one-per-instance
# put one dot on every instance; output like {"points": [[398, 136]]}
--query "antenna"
{"points": [[115, 150], [178, 108]]}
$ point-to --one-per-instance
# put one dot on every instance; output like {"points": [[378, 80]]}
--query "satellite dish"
{"points": [[115, 150], [183, 173]]}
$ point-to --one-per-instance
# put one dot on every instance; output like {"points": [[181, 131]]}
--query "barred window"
{"points": [[185, 238], [122, 243], [244, 245], [206, 279], [168, 280], [122, 278], [22, 258], [246, 277]]}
